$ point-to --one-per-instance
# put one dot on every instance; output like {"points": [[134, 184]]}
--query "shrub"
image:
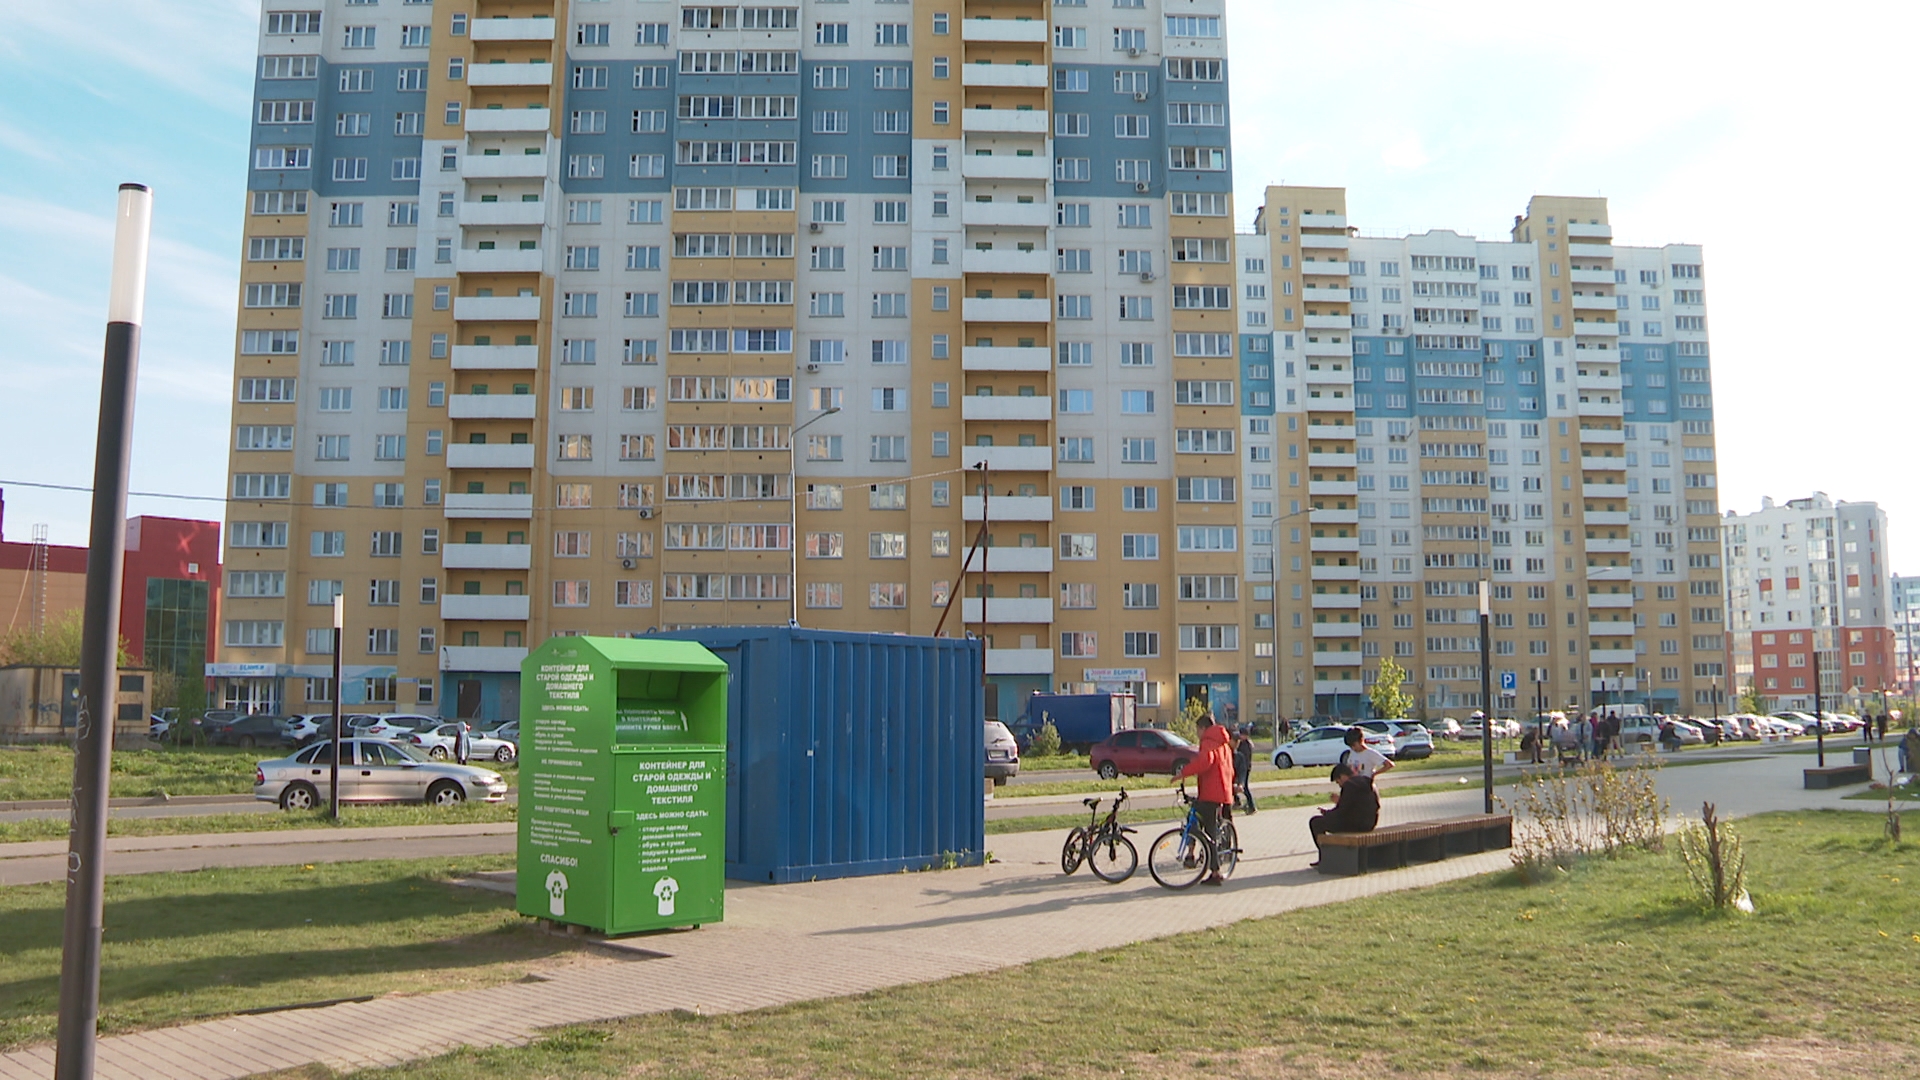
{"points": [[1593, 809], [1046, 741], [1716, 865]]}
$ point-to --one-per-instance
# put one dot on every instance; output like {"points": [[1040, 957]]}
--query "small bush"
{"points": [[1046, 741], [1593, 809], [1716, 864]]}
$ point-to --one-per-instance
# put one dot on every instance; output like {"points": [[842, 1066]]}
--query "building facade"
{"points": [[1808, 586], [613, 315], [1906, 628]]}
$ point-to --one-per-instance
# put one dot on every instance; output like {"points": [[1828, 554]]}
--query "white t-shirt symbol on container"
{"points": [[557, 893], [663, 891]]}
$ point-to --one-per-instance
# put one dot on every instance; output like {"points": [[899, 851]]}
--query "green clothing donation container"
{"points": [[623, 763]]}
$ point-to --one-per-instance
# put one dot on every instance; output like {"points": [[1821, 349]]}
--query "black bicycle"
{"points": [[1179, 857], [1102, 845]]}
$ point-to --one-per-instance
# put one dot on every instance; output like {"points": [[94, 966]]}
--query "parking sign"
{"points": [[1509, 681]]}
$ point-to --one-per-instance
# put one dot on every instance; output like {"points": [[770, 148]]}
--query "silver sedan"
{"points": [[371, 771]]}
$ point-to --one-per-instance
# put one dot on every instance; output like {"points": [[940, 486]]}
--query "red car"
{"points": [[1141, 751]]}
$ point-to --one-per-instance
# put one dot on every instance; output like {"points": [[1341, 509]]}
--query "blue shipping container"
{"points": [[849, 754]]}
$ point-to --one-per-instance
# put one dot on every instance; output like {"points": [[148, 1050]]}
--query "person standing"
{"points": [[1882, 721], [1214, 770], [1364, 760], [462, 743], [1910, 749], [1243, 767]]}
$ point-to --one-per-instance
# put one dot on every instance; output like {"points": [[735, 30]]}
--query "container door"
{"points": [[670, 837]]}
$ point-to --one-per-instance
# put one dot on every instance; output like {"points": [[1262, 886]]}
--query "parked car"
{"points": [[1808, 725], [1324, 745], [1411, 740], [1444, 728], [1003, 753], [372, 770], [1847, 721], [303, 728], [397, 726], [1503, 728], [213, 717], [260, 729], [1782, 725], [1139, 752], [1676, 730], [438, 741], [161, 722], [510, 731]]}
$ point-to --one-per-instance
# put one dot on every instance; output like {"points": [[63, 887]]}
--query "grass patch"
{"points": [[1042, 822], [46, 772], [1611, 971], [14, 832], [188, 946], [1054, 763], [1906, 792]]}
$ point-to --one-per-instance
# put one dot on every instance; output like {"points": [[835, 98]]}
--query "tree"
{"points": [[1752, 701], [56, 644], [1187, 724], [1390, 702]]}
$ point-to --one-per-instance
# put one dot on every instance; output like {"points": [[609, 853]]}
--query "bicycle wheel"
{"points": [[1177, 860], [1112, 858], [1073, 850], [1229, 849]]}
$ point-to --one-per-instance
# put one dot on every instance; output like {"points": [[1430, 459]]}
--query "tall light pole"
{"points": [[1486, 695], [793, 499]]}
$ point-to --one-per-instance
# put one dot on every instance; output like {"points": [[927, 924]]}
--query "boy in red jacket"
{"points": [[1214, 768]]}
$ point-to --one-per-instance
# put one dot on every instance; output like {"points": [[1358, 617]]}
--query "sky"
{"points": [[1778, 137]]}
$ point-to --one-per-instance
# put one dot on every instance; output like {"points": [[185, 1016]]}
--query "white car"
{"points": [[1323, 746], [1847, 721], [437, 743], [1777, 725], [1444, 728], [397, 727], [1808, 725]]}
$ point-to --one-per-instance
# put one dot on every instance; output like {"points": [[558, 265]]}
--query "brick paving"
{"points": [[787, 943]]}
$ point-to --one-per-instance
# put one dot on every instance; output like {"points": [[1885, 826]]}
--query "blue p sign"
{"points": [[1509, 681]]}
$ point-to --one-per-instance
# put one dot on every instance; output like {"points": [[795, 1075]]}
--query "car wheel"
{"points": [[299, 795], [1108, 771], [248, 741], [504, 754], [445, 793], [1283, 761], [438, 753], [1179, 766]]}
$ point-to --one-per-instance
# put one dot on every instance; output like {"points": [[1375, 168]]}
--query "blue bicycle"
{"points": [[1178, 858]]}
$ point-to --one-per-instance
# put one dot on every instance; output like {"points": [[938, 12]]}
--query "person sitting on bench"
{"points": [[1356, 807]]}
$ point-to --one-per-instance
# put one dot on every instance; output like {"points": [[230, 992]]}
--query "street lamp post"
{"points": [[1486, 695], [793, 500]]}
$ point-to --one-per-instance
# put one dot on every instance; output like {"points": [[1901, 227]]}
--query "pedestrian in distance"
{"points": [[462, 743], [1364, 760], [1882, 721], [1243, 767], [1356, 807], [1213, 769], [1910, 749]]}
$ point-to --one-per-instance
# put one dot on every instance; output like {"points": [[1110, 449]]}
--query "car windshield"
{"points": [[406, 750], [1175, 740]]}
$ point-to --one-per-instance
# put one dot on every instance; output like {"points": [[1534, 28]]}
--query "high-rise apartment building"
{"points": [[617, 314], [1807, 585], [1906, 629]]}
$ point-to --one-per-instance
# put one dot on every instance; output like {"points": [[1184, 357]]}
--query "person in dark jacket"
{"points": [[1356, 807], [1243, 768], [1214, 771]]}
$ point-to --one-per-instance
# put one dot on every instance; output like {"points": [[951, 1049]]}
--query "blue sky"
{"points": [[1778, 136]]}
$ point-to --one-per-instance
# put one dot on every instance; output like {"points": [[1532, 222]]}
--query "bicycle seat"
{"points": [[1089, 802]]}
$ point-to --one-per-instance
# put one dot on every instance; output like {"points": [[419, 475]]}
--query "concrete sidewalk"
{"points": [[787, 943]]}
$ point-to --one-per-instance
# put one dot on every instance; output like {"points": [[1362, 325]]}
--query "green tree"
{"points": [[1187, 724], [56, 644], [1390, 702], [1752, 701], [1046, 741]]}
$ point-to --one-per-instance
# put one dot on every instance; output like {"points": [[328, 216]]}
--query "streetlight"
{"points": [[793, 500]]}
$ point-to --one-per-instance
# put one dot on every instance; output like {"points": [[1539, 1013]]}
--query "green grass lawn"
{"points": [[46, 772], [1611, 971], [187, 946], [13, 832]]}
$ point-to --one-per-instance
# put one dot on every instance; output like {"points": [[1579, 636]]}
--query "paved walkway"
{"points": [[787, 943]]}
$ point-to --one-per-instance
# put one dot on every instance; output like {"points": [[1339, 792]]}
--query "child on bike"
{"points": [[1214, 770]]}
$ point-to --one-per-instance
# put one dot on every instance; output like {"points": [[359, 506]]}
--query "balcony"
{"points": [[1603, 491], [1609, 600], [1005, 358], [1338, 686], [509, 507], [1601, 408], [1339, 346], [1582, 231], [1330, 431], [1350, 658], [1001, 214], [1592, 277], [1607, 517], [1328, 267], [511, 30], [1334, 573], [1333, 375], [1611, 656], [503, 213], [1329, 322], [496, 308], [507, 121], [495, 357], [976, 309], [1609, 436], [486, 556], [1337, 629], [503, 166], [1006, 261], [1585, 380], [1322, 221], [1007, 507], [1005, 167], [1333, 241], [1595, 329], [506, 608], [1003, 121], [491, 406], [490, 456], [510, 75], [1609, 573], [1333, 487], [1336, 601], [1610, 629], [1007, 609], [1335, 517], [1605, 546], [1018, 560], [1022, 76], [1583, 302], [1613, 684], [1338, 295], [1333, 461], [976, 408], [481, 657], [1590, 251], [471, 261], [1020, 31], [1008, 458], [1020, 662], [1347, 544]]}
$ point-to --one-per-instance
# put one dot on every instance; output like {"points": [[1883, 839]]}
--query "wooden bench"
{"points": [[1395, 846], [1837, 776]]}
